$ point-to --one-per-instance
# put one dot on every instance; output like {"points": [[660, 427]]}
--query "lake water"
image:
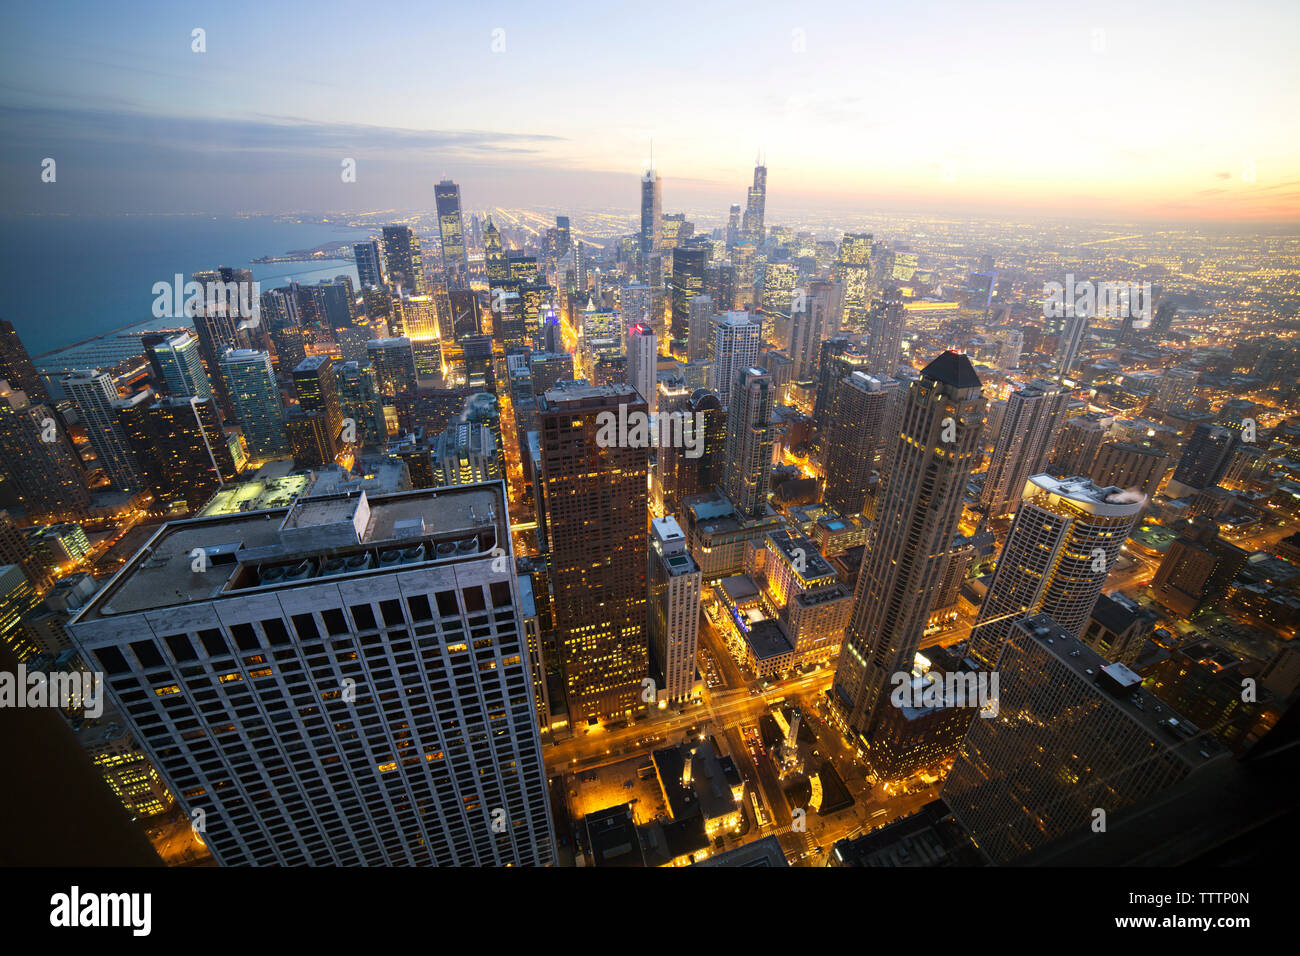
{"points": [[65, 279]]}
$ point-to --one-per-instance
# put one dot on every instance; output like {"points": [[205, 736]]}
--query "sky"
{"points": [[1163, 111]]}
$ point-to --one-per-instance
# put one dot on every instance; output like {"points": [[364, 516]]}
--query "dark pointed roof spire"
{"points": [[952, 368]]}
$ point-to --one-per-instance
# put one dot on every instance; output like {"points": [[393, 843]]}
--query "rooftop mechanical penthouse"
{"points": [[344, 681]]}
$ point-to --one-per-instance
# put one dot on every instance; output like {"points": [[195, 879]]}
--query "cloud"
{"points": [[252, 133]]}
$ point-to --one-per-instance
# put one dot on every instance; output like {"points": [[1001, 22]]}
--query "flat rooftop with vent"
{"points": [[203, 559]]}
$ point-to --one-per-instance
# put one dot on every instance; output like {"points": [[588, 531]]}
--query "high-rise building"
{"points": [[178, 360], [699, 330], [39, 468], [747, 467], [394, 365], [94, 395], [465, 453], [179, 447], [733, 225], [855, 436], [563, 237], [15, 548], [17, 598], [756, 206], [1013, 342], [494, 259], [649, 249], [403, 261], [455, 261], [284, 651], [1064, 540], [1135, 467], [809, 320], [704, 430], [885, 348], [255, 398], [1204, 459], [318, 392], [1074, 734], [929, 457], [853, 269], [643, 363], [218, 330], [1033, 416], [17, 369], [595, 500], [1176, 388], [1078, 442], [1198, 565], [675, 581], [737, 340], [836, 358], [369, 263], [687, 282], [1073, 332], [361, 402], [779, 280]]}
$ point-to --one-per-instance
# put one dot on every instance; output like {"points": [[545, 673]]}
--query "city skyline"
{"points": [[605, 437]]}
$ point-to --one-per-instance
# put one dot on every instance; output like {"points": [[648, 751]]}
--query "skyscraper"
{"points": [[318, 393], [755, 207], [810, 317], [180, 448], [17, 369], [1073, 734], [563, 236], [687, 282], [643, 363], [675, 581], [1025, 438], [94, 395], [369, 263], [255, 398], [361, 403], [494, 258], [1198, 565], [1073, 332], [837, 357], [262, 685], [394, 365], [704, 428], [218, 331], [39, 468], [651, 236], [857, 431], [1013, 341], [737, 340], [1065, 538], [853, 269], [1204, 459], [182, 367], [450, 227], [595, 500], [885, 349], [929, 458], [747, 471], [699, 328], [403, 260]]}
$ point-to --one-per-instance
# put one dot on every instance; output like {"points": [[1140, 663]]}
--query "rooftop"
{"points": [[239, 549], [1121, 685]]}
